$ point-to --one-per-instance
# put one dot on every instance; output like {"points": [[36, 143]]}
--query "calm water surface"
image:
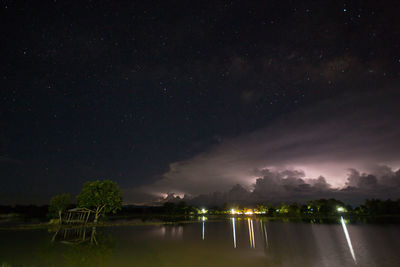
{"points": [[233, 242]]}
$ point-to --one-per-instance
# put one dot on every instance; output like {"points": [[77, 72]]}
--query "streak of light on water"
{"points": [[346, 233], [234, 232]]}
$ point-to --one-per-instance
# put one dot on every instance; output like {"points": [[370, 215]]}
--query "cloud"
{"points": [[291, 185], [323, 141], [361, 181]]}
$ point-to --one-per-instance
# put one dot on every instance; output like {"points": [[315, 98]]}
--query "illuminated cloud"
{"points": [[316, 147], [292, 185], [337, 140]]}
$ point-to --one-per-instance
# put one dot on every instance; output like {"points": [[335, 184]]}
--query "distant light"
{"points": [[232, 211], [345, 10], [340, 209], [203, 211], [249, 212]]}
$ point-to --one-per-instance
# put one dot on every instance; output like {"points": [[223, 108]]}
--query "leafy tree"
{"points": [[294, 209], [182, 207], [100, 196], [261, 208], [169, 207], [324, 207], [304, 209], [284, 208], [58, 204]]}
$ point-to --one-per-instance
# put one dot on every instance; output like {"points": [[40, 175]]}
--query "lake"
{"points": [[228, 242]]}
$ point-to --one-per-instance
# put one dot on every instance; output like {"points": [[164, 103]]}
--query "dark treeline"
{"points": [[332, 207], [168, 208], [31, 211], [378, 207], [320, 207]]}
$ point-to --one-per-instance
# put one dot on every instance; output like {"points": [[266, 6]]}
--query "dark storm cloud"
{"points": [[292, 185], [350, 131]]}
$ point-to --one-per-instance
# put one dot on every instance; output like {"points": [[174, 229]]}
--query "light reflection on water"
{"points": [[346, 233], [202, 232], [234, 232], [264, 232], [236, 242], [251, 233]]}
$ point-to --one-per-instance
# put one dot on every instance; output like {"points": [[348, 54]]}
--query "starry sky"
{"points": [[194, 96]]}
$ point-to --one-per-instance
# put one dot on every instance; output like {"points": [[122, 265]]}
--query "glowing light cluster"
{"points": [[341, 209], [249, 212], [245, 211], [203, 211], [233, 212]]}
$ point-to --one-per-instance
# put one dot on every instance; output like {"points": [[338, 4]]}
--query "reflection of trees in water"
{"points": [[74, 235], [167, 231], [288, 244], [282, 244], [85, 246]]}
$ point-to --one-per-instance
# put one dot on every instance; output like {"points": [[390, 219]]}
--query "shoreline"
{"points": [[146, 220]]}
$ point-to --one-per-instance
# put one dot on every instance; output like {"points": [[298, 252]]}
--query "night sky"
{"points": [[192, 97]]}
